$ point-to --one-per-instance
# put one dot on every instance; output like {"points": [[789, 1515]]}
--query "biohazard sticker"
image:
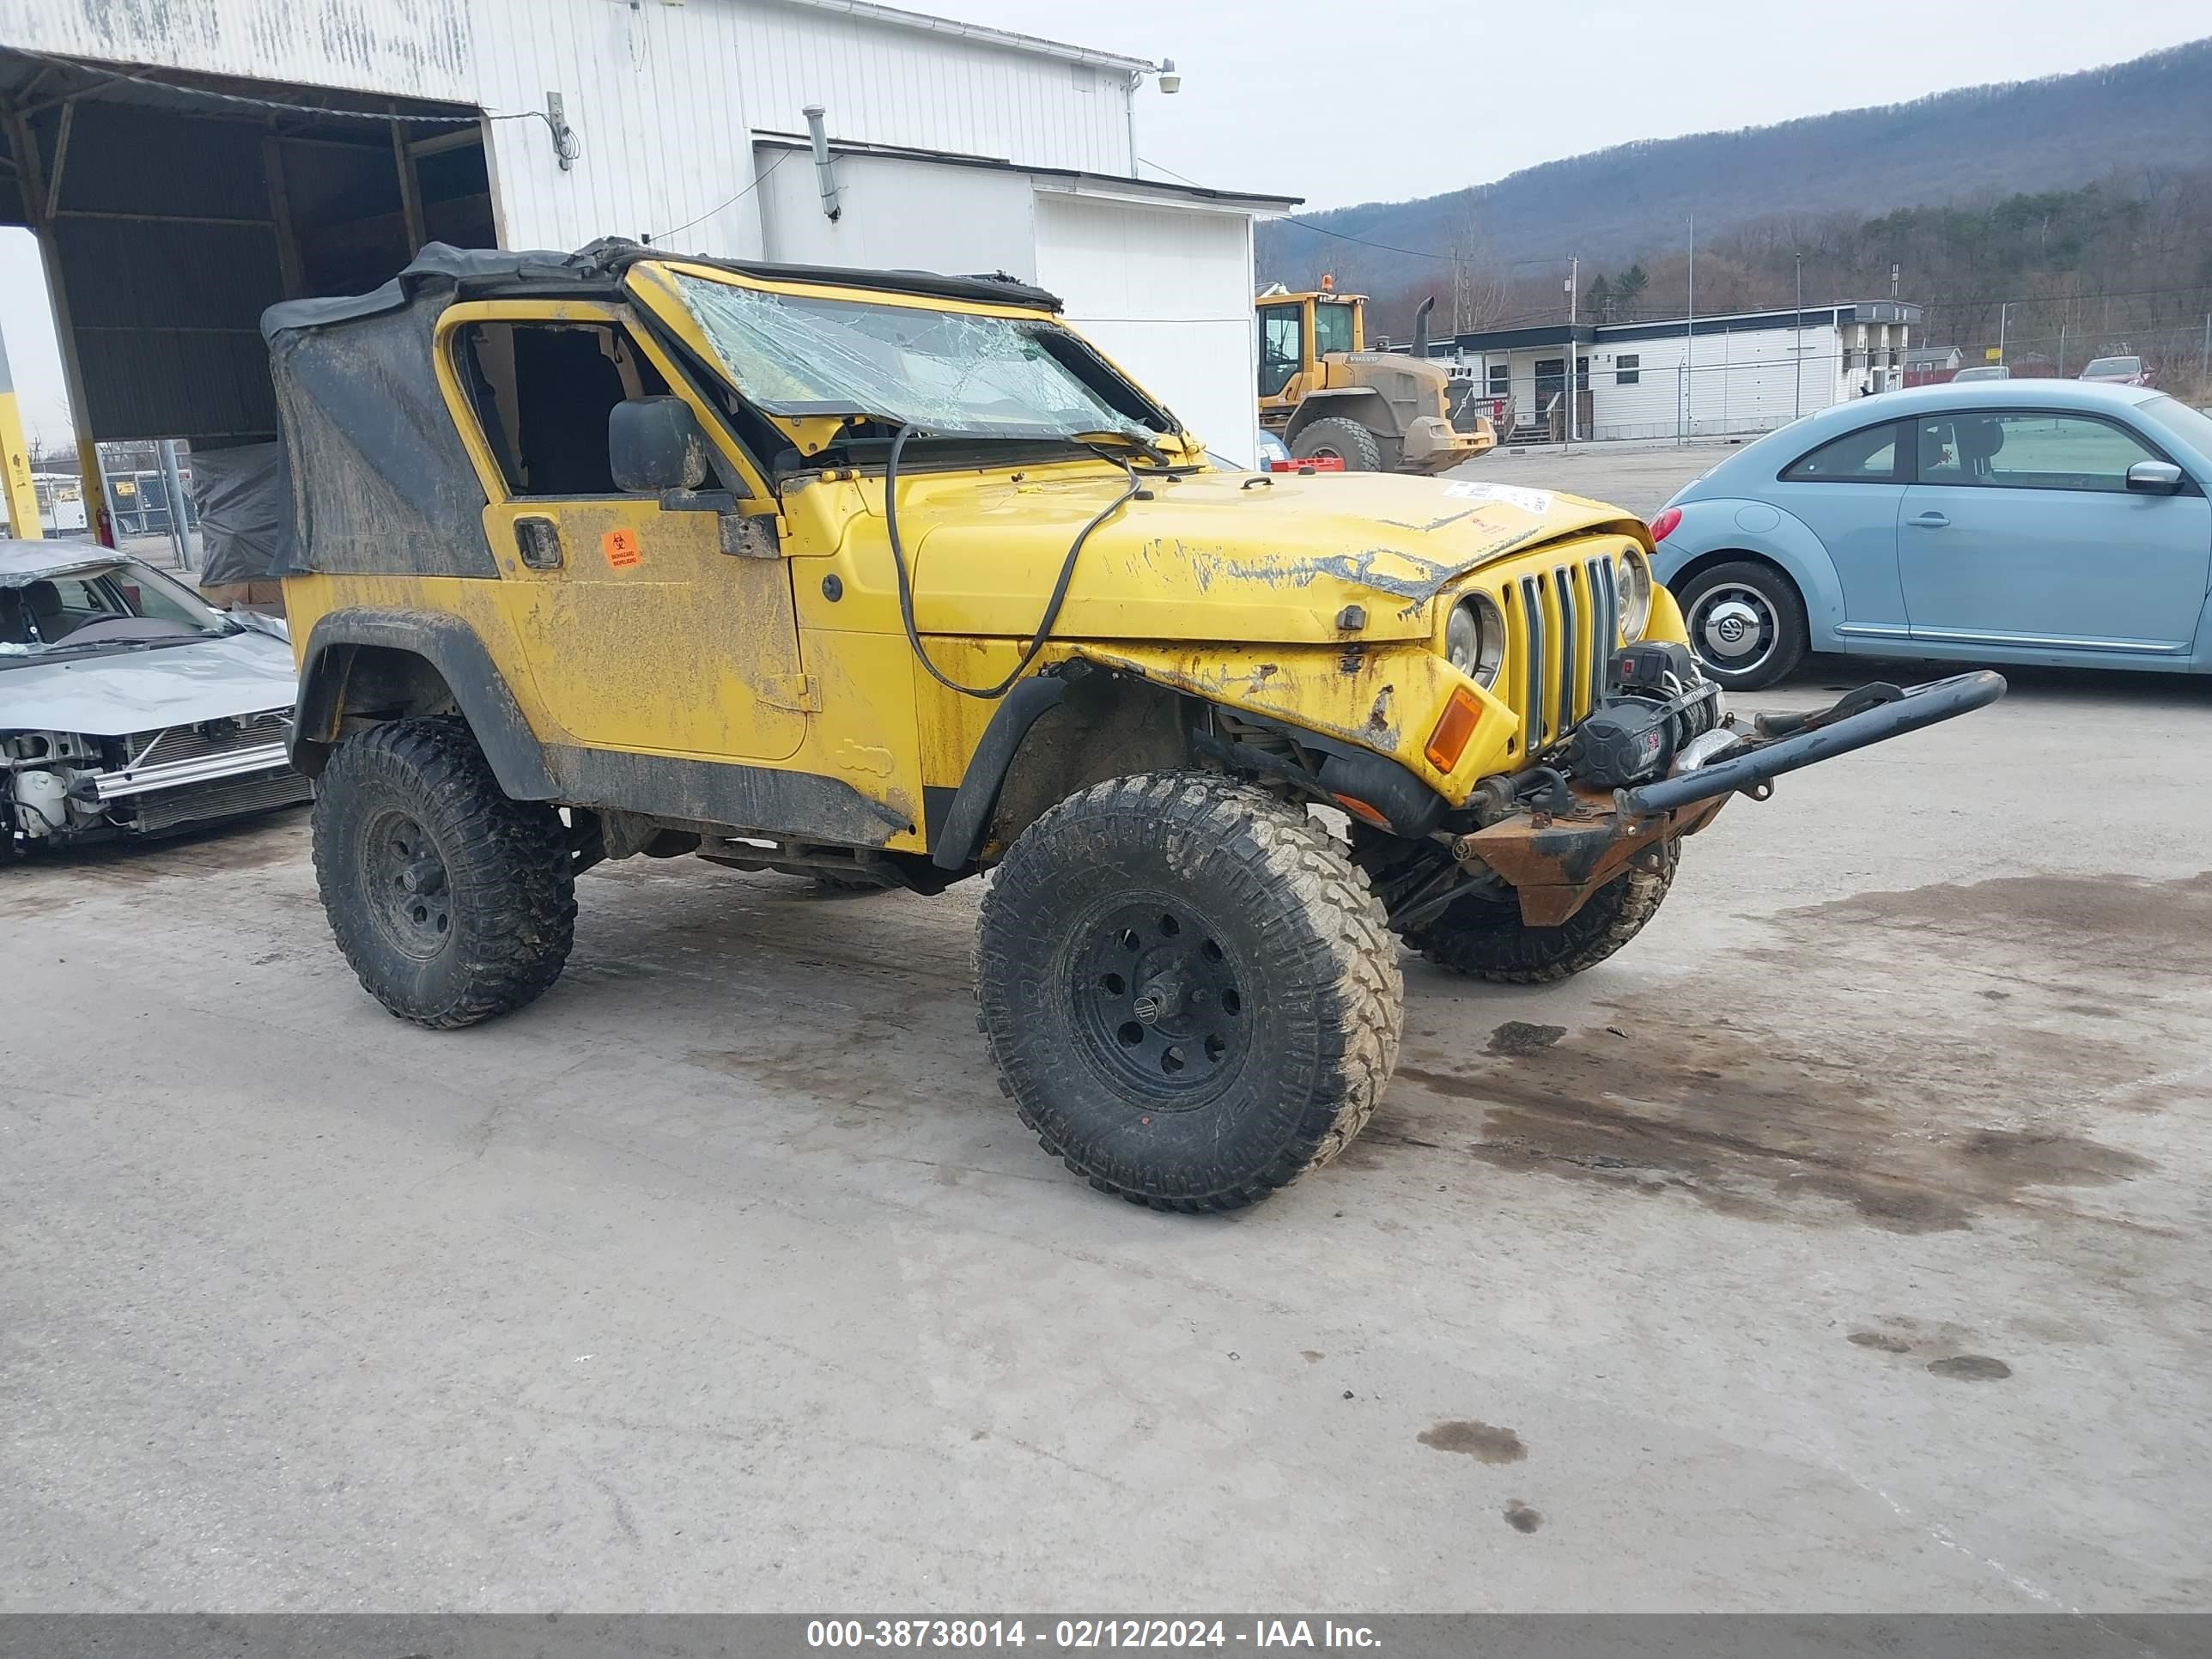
{"points": [[621, 548], [1538, 502]]}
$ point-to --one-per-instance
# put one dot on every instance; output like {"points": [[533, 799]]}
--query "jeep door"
{"points": [[642, 632]]}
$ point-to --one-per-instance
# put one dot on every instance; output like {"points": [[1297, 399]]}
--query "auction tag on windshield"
{"points": [[621, 548], [1538, 502]]}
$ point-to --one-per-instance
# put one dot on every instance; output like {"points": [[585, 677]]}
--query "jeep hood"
{"points": [[1219, 555]]}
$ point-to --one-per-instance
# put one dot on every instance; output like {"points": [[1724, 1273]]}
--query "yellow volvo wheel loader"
{"points": [[1330, 399]]}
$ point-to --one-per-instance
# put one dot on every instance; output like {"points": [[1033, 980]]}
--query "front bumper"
{"points": [[1558, 851], [1433, 444], [126, 781]]}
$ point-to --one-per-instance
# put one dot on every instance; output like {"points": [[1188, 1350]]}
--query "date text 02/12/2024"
{"points": [[1079, 1634]]}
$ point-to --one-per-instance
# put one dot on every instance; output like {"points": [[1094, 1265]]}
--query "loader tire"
{"points": [[451, 902], [1191, 995], [1346, 439], [1485, 939]]}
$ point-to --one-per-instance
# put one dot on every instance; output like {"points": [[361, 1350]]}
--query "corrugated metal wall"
{"points": [[884, 84], [663, 98], [662, 129], [416, 48]]}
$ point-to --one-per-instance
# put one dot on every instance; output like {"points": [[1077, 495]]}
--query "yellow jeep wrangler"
{"points": [[888, 579]]}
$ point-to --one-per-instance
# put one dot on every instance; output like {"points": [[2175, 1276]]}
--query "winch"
{"points": [[1656, 702]]}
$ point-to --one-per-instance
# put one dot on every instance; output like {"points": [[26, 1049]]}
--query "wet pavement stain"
{"points": [[1881, 1339], [1889, 1090], [1483, 1442], [1521, 1519], [1518, 1037], [2037, 1157], [1969, 1368]]}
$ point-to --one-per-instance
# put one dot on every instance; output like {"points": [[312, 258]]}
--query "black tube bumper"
{"points": [[1821, 736]]}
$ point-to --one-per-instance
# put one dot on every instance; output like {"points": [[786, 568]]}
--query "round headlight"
{"points": [[1634, 575], [1474, 640]]}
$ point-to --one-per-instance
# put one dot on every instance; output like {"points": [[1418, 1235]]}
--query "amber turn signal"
{"points": [[1454, 730]]}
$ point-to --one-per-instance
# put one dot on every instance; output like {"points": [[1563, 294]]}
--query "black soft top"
{"points": [[373, 478], [596, 271]]}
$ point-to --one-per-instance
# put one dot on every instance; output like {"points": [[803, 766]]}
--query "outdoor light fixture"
{"points": [[1170, 83]]}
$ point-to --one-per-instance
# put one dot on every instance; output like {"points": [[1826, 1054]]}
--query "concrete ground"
{"points": [[1840, 1244], [1639, 476]]}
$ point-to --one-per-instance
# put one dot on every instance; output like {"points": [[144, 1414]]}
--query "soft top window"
{"points": [[952, 373]]}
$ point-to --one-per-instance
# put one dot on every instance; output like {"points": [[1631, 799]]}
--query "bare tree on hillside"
{"points": [[1479, 287]]}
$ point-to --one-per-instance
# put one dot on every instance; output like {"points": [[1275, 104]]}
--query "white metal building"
{"points": [[1738, 372], [186, 165]]}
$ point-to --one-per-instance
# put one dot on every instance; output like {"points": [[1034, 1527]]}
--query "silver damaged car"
{"points": [[127, 707]]}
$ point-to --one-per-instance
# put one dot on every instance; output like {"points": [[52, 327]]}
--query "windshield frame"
{"points": [[814, 425]]}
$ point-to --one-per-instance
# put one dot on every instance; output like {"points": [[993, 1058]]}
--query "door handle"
{"points": [[1929, 521]]}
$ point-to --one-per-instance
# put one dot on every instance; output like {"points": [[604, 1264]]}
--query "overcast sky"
{"points": [[1344, 102]]}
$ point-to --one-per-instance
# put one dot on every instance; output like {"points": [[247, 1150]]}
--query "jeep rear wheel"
{"points": [[1484, 937], [451, 902], [1190, 993]]}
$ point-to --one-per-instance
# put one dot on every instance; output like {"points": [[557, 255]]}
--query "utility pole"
{"points": [[173, 481], [2004, 312], [1797, 337], [2204, 361], [1690, 335], [1574, 302], [2061, 345]]}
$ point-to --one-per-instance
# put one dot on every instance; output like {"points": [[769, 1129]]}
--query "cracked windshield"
{"points": [[947, 372]]}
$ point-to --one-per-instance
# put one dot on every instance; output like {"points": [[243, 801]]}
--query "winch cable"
{"points": [[1052, 605]]}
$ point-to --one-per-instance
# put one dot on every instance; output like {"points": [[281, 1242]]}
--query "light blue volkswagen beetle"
{"points": [[2027, 521]]}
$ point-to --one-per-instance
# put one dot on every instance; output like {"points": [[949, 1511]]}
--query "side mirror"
{"points": [[2155, 478], [654, 444]]}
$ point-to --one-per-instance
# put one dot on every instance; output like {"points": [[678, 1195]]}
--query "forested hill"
{"points": [[2153, 113]]}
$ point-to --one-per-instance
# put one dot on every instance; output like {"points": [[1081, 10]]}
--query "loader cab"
{"points": [[1297, 332]]}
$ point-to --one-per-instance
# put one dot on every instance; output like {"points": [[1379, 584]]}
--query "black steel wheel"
{"points": [[405, 885], [1190, 993], [451, 902], [1157, 1000]]}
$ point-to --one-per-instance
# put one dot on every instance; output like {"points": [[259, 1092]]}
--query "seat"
{"points": [[43, 600], [1979, 440]]}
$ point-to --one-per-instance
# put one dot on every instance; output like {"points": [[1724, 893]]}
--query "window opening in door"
{"points": [[543, 392]]}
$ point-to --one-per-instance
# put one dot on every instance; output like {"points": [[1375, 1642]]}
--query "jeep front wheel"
{"points": [[451, 902], [1190, 993], [1484, 937]]}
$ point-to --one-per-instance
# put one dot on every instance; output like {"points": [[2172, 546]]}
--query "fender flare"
{"points": [[1357, 403], [968, 820], [1412, 807], [447, 645]]}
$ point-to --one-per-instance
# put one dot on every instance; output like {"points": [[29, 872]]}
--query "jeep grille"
{"points": [[1561, 625]]}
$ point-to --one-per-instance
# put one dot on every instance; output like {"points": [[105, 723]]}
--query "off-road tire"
{"points": [[1339, 436], [1485, 939], [1312, 1007], [506, 874], [1782, 603]]}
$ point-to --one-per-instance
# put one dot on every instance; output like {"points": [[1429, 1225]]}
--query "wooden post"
{"points": [[288, 270], [411, 193]]}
